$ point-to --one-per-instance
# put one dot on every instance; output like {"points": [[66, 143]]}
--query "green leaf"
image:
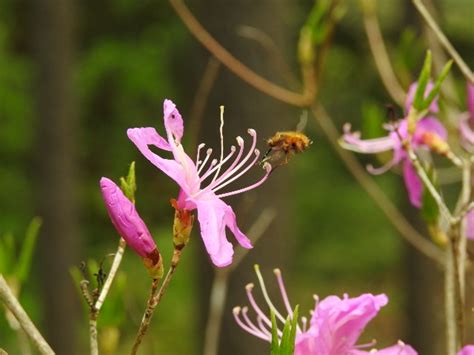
{"points": [[26, 255], [8, 253], [437, 86], [287, 346], [129, 184], [423, 80], [429, 207], [275, 349]]}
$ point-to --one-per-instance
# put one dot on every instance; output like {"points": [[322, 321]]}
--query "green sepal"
{"points": [[129, 184], [423, 80], [287, 345], [26, 255], [275, 348], [437, 85]]}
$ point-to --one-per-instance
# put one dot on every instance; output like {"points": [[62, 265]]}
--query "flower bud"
{"points": [[131, 227], [182, 226]]}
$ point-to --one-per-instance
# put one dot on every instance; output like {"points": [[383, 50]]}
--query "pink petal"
{"points": [[413, 184], [430, 125], [411, 96], [467, 350], [214, 216], [126, 220], [173, 120], [142, 138], [337, 323], [470, 100], [352, 141], [398, 349], [470, 225], [466, 132]]}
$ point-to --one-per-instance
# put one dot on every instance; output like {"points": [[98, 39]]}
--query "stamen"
{"points": [[284, 295], [211, 166], [265, 330], [221, 131], [265, 294], [236, 312], [304, 321], [367, 345], [248, 321], [229, 172], [200, 146], [255, 306], [268, 169], [208, 154], [222, 162]]}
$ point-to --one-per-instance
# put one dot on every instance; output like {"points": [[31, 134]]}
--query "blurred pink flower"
{"points": [[127, 222], [214, 215], [335, 326], [429, 132], [467, 350], [466, 121]]}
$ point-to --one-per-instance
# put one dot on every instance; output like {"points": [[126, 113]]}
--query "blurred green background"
{"points": [[74, 75]]}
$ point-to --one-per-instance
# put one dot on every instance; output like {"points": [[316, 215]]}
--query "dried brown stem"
{"points": [[236, 66]]}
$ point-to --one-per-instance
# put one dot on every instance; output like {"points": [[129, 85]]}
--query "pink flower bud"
{"points": [[128, 223]]}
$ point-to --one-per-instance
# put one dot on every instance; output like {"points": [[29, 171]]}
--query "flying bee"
{"points": [[283, 145]]}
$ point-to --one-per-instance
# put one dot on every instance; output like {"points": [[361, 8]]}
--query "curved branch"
{"points": [[236, 66], [379, 53]]}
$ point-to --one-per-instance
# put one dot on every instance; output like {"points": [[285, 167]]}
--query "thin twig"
{"points": [[95, 308], [221, 281], [463, 203], [7, 297], [234, 65], [151, 305], [444, 40], [154, 300], [379, 53], [398, 221]]}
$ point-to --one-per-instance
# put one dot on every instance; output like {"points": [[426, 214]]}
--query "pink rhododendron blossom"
{"points": [[466, 121], [201, 181], [467, 350], [470, 225], [470, 101], [428, 134], [335, 326], [126, 220]]}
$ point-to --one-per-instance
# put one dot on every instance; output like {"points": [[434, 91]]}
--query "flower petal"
{"points": [[398, 349], [411, 96], [467, 350], [142, 138], [126, 220], [470, 225], [429, 125], [351, 140], [214, 216], [413, 184], [339, 322], [173, 120]]}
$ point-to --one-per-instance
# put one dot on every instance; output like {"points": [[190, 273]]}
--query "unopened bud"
{"points": [[154, 264], [182, 226]]}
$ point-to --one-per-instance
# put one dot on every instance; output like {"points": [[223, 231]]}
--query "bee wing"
{"points": [[303, 121]]}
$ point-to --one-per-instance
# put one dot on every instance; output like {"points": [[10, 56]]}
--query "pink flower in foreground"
{"points": [[201, 181], [128, 223], [429, 134], [467, 350], [335, 326]]}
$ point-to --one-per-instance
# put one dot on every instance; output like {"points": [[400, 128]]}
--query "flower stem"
{"points": [[155, 298], [10, 301]]}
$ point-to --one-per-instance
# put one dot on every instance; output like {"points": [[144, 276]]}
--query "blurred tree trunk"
{"points": [[52, 26], [246, 108]]}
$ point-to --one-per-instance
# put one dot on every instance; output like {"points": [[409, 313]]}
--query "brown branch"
{"points": [[236, 66], [379, 53]]}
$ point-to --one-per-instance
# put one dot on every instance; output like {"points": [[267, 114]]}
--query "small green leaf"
{"points": [[26, 255], [429, 207], [128, 184], [423, 80], [275, 349], [287, 345], [437, 86]]}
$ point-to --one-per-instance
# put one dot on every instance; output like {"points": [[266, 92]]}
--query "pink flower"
{"points": [[470, 100], [467, 350], [127, 222], [335, 326], [201, 181], [429, 134], [466, 121], [470, 225]]}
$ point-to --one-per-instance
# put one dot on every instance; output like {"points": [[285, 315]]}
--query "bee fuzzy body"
{"points": [[286, 144]]}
